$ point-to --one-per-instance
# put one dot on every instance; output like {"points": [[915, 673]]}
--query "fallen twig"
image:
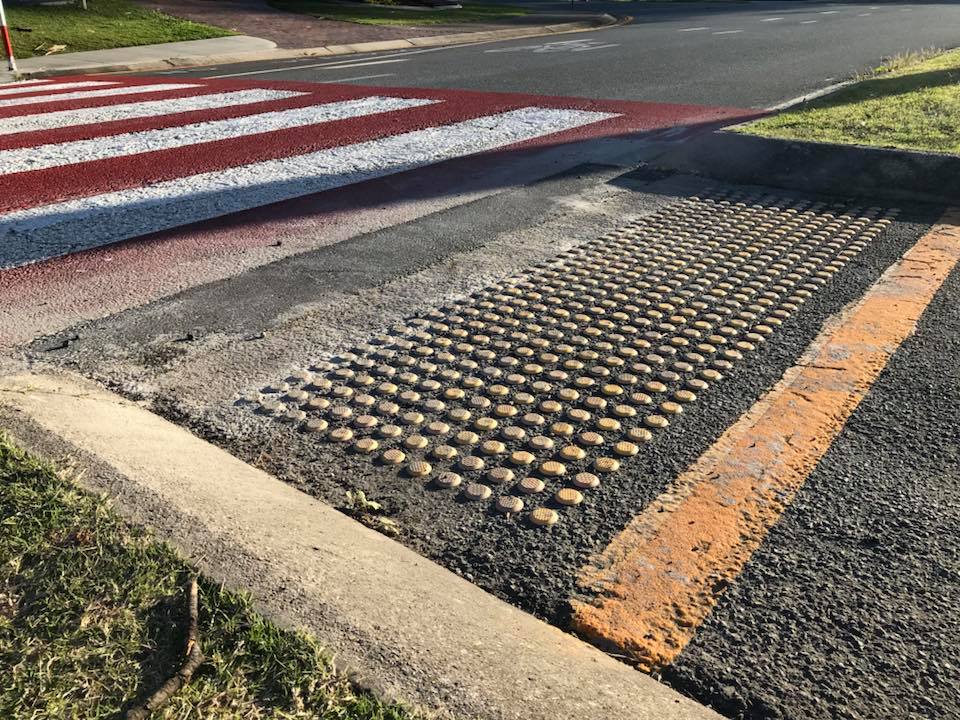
{"points": [[182, 677]]}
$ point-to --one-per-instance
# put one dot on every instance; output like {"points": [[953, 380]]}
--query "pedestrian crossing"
{"points": [[94, 160]]}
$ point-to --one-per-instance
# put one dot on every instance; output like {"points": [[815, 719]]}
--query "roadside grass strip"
{"points": [[48, 29], [911, 104], [383, 14], [659, 579], [93, 619]]}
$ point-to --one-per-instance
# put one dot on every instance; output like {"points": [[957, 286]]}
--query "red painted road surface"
{"points": [[60, 224]]}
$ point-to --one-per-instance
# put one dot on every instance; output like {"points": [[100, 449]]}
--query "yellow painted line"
{"points": [[660, 577]]}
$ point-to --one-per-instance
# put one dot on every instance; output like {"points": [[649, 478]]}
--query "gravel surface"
{"points": [[849, 608]]}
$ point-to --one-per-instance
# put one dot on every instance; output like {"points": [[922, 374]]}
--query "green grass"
{"points": [[910, 102], [373, 14], [105, 24], [92, 619]]}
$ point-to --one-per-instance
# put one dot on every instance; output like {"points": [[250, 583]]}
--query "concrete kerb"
{"points": [[818, 167], [407, 628], [595, 23]]}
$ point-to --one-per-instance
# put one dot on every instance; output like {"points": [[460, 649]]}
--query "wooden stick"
{"points": [[182, 677]]}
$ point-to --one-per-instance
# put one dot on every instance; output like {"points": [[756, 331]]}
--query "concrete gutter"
{"points": [[243, 48], [407, 628]]}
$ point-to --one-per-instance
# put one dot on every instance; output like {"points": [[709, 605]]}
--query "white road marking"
{"points": [[359, 77], [694, 29], [365, 63], [331, 66], [773, 19], [727, 32], [807, 22], [65, 227], [595, 47], [558, 46], [57, 86], [129, 111], [19, 83], [829, 12], [134, 143], [108, 92], [864, 14]]}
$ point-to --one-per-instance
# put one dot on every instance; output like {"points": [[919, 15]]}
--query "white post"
{"points": [[7, 44]]}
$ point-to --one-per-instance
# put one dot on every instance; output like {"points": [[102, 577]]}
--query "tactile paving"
{"points": [[551, 382]]}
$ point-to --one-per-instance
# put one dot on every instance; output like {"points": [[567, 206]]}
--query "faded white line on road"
{"points": [[807, 22], [727, 32], [129, 111], [829, 12], [330, 66], [864, 14], [113, 146], [109, 92], [18, 83], [595, 47], [359, 77], [773, 19], [694, 29], [367, 62], [57, 86], [66, 227]]}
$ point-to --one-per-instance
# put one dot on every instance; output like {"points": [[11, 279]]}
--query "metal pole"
{"points": [[7, 44]]}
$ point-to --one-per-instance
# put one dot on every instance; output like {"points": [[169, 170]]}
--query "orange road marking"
{"points": [[661, 576]]}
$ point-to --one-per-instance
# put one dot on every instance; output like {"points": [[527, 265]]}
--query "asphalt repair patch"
{"points": [[535, 567], [511, 461]]}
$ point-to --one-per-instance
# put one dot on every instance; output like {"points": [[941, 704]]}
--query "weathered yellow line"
{"points": [[660, 577]]}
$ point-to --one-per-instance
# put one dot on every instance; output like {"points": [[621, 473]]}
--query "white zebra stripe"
{"points": [[130, 111], [62, 228], [111, 146], [18, 83], [107, 92], [58, 86]]}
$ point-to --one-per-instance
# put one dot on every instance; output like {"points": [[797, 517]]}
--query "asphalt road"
{"points": [[755, 54]]}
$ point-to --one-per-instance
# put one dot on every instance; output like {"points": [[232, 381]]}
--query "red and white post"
{"points": [[7, 44]]}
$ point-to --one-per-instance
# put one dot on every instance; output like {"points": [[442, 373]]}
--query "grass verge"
{"points": [[373, 14], [93, 619], [105, 24], [911, 102]]}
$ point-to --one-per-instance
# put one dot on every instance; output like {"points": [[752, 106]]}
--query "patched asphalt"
{"points": [[849, 608], [532, 568]]}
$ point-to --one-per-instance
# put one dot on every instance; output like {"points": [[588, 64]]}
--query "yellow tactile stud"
{"points": [[522, 457], [585, 481], [445, 452], [625, 449], [419, 468], [531, 485], [492, 447], [552, 468], [572, 453], [477, 491], [500, 475], [656, 421], [366, 445], [606, 464], [341, 435], [393, 456], [415, 442], [509, 504], [448, 480], [472, 463], [315, 425], [590, 439], [544, 517], [568, 496]]}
